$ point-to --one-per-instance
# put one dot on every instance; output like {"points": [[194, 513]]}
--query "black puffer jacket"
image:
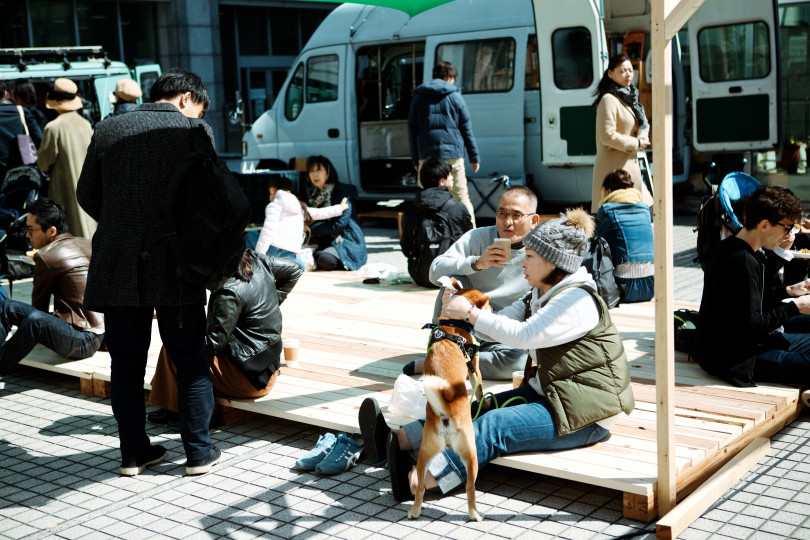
{"points": [[244, 319]]}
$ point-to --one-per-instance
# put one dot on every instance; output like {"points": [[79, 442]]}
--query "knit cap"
{"points": [[563, 241]]}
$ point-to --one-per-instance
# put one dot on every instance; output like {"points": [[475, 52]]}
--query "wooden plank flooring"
{"points": [[355, 338]]}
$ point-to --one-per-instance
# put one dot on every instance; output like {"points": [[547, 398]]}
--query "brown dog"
{"points": [[448, 423]]}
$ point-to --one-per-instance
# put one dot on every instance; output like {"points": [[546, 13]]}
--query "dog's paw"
{"points": [[414, 513], [475, 516]]}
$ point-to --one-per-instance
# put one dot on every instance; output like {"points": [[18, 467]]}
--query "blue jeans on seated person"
{"points": [[35, 326], [278, 252], [785, 357], [522, 427]]}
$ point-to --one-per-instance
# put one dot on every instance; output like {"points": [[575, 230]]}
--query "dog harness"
{"points": [[469, 350]]}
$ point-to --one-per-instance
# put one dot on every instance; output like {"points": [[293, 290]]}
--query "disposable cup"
{"points": [[517, 378], [506, 244], [292, 348]]}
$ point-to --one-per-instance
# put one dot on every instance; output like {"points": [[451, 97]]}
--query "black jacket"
{"points": [[10, 127], [741, 305], [244, 319], [432, 200]]}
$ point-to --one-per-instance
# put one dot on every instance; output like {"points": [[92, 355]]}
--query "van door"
{"points": [[146, 75], [571, 54], [105, 88], [490, 68], [735, 75], [312, 118]]}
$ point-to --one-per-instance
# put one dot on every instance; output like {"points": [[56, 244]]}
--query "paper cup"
{"points": [[291, 351], [517, 378], [506, 244]]}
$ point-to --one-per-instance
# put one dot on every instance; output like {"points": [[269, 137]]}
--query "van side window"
{"points": [[322, 78], [734, 52], [294, 101], [483, 65], [571, 52], [532, 81]]}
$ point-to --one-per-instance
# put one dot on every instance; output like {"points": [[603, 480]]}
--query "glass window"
{"points": [[52, 23], [573, 59], [98, 25], [532, 65], [322, 79], [483, 65], [15, 28], [294, 100], [139, 33], [252, 30], [734, 52], [284, 32]]}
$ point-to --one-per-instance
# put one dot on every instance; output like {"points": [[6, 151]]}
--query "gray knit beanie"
{"points": [[563, 241]]}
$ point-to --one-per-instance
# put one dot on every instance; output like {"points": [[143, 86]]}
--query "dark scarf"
{"points": [[319, 198], [629, 96]]}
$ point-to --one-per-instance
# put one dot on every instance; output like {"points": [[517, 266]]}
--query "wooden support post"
{"points": [[674, 523], [86, 386], [102, 389], [639, 507]]}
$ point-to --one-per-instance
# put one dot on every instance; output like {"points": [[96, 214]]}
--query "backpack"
{"points": [[686, 325], [14, 263], [205, 214], [599, 264], [433, 236], [709, 225]]}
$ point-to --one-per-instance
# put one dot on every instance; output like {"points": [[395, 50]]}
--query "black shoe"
{"points": [[204, 465], [162, 417], [399, 466], [374, 430], [155, 454]]}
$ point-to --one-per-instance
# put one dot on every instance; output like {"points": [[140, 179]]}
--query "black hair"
{"points": [[49, 213], [772, 203], [604, 82], [23, 90], [175, 82], [245, 269], [618, 179], [525, 192], [315, 162], [282, 183], [432, 170], [445, 70]]}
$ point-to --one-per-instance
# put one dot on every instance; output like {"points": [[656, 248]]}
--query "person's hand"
{"points": [[799, 289], [643, 142], [805, 225], [803, 303], [344, 204], [31, 253], [475, 166], [788, 241], [454, 307], [494, 255]]}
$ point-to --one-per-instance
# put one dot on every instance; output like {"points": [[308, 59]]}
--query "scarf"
{"points": [[629, 96], [622, 196], [318, 198]]}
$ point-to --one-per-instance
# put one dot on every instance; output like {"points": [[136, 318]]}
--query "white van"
{"points": [[348, 93]]}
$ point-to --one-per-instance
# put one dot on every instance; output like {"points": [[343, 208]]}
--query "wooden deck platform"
{"points": [[355, 338]]}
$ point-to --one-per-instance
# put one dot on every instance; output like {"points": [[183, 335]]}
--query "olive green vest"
{"points": [[586, 380]]}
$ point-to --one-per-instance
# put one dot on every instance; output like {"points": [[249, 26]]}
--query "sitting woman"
{"points": [[283, 231], [340, 241], [624, 221], [243, 335], [578, 353]]}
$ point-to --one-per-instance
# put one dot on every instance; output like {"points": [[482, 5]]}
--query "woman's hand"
{"points": [[643, 142], [344, 204], [799, 289], [455, 307]]}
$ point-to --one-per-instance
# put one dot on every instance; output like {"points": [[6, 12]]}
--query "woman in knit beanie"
{"points": [[576, 382]]}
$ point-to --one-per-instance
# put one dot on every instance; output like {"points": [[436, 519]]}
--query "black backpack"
{"points": [[686, 329], [600, 266], [709, 225], [433, 236], [205, 215]]}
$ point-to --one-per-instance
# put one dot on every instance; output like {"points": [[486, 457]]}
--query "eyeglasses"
{"points": [[31, 229], [789, 227], [514, 217]]}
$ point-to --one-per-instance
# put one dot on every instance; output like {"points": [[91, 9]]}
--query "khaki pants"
{"points": [[459, 191]]}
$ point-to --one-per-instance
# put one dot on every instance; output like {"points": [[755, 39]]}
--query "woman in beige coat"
{"points": [[621, 128]]}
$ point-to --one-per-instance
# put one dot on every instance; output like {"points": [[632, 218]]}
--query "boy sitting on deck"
{"points": [[747, 330]]}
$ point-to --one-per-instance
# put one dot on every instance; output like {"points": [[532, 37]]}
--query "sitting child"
{"points": [[283, 231], [434, 200], [624, 221]]}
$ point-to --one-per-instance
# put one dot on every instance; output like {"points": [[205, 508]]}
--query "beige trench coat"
{"points": [[616, 147], [64, 146]]}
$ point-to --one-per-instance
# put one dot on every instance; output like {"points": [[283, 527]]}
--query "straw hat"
{"points": [[127, 90], [64, 96]]}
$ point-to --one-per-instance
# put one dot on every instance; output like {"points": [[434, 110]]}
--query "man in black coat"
{"points": [[129, 163], [751, 327]]}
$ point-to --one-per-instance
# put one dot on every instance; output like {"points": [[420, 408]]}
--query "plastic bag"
{"points": [[408, 398]]}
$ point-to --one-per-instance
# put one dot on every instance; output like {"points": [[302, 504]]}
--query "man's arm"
{"points": [[43, 284], [88, 189], [413, 134]]}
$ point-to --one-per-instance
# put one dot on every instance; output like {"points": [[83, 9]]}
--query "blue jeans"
{"points": [[182, 330], [525, 427], [35, 326], [497, 361], [785, 357], [278, 252]]}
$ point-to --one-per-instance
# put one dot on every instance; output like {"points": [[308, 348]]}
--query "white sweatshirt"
{"points": [[284, 222]]}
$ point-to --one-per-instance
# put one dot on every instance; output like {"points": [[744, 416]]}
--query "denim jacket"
{"points": [[628, 230]]}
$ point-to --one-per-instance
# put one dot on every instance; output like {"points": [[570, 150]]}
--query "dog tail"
{"points": [[439, 392]]}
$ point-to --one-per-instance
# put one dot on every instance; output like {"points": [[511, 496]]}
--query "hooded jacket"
{"points": [[439, 124]]}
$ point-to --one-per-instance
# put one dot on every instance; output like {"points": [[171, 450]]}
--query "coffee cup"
{"points": [[291, 351], [517, 378], [506, 244]]}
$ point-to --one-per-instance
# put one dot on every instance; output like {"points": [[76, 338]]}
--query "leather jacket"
{"points": [[244, 319], [60, 268]]}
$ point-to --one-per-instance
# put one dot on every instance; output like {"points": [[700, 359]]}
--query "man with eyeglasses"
{"points": [[751, 326], [480, 262], [60, 269]]}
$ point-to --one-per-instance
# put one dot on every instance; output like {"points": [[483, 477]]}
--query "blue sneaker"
{"points": [[345, 453], [324, 445]]}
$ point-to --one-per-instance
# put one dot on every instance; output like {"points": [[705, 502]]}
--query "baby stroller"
{"points": [[21, 186]]}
